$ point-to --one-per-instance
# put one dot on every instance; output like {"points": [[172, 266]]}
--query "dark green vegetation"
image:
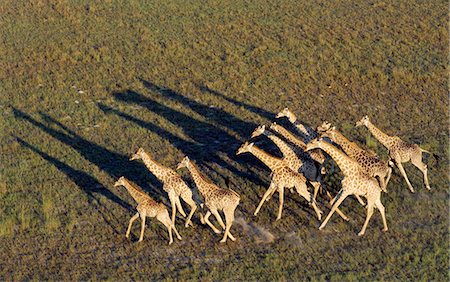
{"points": [[84, 85]]}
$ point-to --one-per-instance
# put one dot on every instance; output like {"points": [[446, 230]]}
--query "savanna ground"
{"points": [[85, 84]]}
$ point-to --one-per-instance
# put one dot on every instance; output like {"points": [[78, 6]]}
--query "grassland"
{"points": [[82, 85]]}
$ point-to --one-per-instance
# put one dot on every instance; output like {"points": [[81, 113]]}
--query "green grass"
{"points": [[83, 85]]}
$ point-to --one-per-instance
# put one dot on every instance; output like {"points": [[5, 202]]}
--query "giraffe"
{"points": [[306, 132], [147, 207], [215, 198], [356, 182], [173, 184], [316, 154], [303, 164], [373, 165], [282, 177], [399, 150]]}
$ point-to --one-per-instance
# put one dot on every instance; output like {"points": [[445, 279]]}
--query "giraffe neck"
{"points": [[138, 195], [200, 181], [379, 135], [158, 170], [345, 163], [269, 160], [349, 147], [290, 137], [285, 149]]}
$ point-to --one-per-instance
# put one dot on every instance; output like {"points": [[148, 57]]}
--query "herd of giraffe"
{"points": [[305, 155]]}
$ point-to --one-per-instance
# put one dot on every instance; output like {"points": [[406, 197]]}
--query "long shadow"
{"points": [[260, 111], [196, 151], [210, 138], [111, 162], [254, 109], [217, 115], [84, 181]]}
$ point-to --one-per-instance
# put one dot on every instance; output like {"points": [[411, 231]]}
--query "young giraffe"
{"points": [[373, 165], [282, 177], [400, 151], [147, 207], [305, 166], [172, 184], [356, 182], [215, 198]]}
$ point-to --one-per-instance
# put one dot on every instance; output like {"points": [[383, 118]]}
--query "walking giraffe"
{"points": [[173, 184], [147, 207], [400, 151], [356, 182], [215, 198], [282, 177]]}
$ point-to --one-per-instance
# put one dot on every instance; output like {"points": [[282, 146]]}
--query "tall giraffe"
{"points": [[356, 182], [306, 132], [399, 150], [147, 207], [173, 184], [215, 198], [373, 165], [282, 177], [303, 164]]}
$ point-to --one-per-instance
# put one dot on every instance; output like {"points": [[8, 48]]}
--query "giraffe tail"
{"points": [[435, 156]]}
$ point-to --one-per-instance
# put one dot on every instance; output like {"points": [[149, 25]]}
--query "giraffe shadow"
{"points": [[210, 143], [88, 184], [113, 163], [254, 109]]}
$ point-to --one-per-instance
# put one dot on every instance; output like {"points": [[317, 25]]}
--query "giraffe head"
{"points": [[329, 133], [287, 113], [313, 144], [324, 127], [137, 155], [363, 121], [258, 131], [120, 181], [274, 126], [246, 147], [184, 162]]}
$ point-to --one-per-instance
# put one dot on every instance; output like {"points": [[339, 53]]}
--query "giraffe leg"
{"points": [[193, 206], [206, 218], [268, 192], [173, 204], [303, 191], [360, 200], [280, 207], [229, 218], [380, 207], [417, 162], [369, 215], [179, 206], [316, 186], [381, 182], [219, 218], [402, 171], [340, 197], [339, 212], [143, 215], [165, 219], [131, 223], [388, 177]]}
